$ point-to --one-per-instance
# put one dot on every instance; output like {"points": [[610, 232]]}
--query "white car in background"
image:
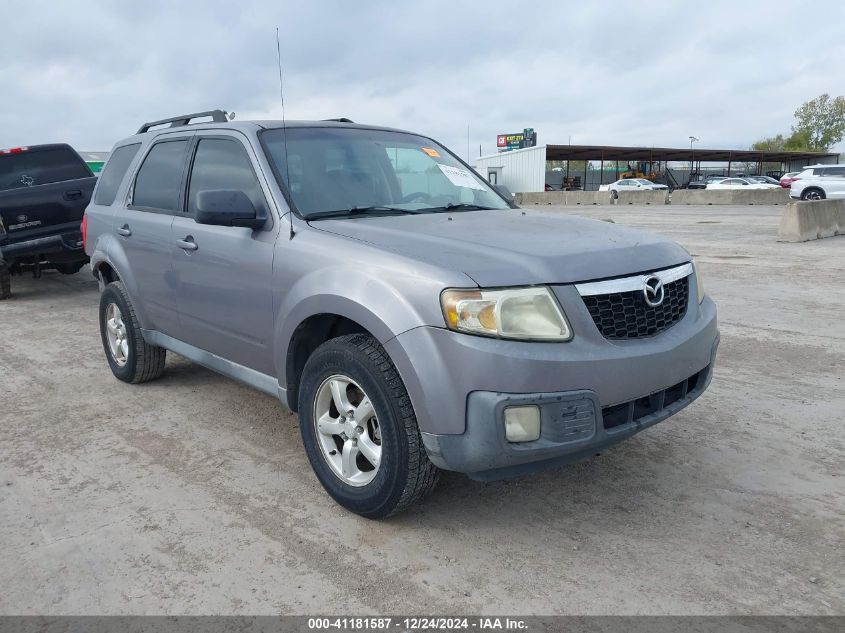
{"points": [[738, 183], [631, 184], [818, 182]]}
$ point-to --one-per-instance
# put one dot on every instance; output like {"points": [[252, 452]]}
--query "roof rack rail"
{"points": [[217, 116], [341, 120]]}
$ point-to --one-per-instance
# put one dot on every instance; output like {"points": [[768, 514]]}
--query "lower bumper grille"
{"points": [[635, 410]]}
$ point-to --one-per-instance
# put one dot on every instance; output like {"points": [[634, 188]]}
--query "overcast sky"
{"points": [[89, 73]]}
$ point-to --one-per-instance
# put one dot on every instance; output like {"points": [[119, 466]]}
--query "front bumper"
{"points": [[459, 385], [574, 426]]}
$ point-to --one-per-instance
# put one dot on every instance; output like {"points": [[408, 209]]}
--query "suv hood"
{"points": [[514, 247]]}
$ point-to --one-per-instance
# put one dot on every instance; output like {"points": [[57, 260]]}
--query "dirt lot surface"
{"points": [[192, 494]]}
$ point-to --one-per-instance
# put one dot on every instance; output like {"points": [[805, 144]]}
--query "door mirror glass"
{"points": [[226, 207]]}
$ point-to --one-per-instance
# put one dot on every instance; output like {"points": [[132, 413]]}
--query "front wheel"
{"points": [[812, 194], [359, 428]]}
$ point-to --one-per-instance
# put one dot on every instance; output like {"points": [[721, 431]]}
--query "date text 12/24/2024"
{"points": [[417, 624]]}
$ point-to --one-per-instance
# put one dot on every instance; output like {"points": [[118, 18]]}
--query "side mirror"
{"points": [[227, 207], [506, 194]]}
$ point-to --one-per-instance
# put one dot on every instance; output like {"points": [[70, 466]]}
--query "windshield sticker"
{"points": [[460, 177], [431, 152]]}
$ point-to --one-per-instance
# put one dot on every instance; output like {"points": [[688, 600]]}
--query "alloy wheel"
{"points": [[116, 335], [347, 430]]}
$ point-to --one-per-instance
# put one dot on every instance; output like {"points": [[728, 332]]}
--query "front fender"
{"points": [[384, 300]]}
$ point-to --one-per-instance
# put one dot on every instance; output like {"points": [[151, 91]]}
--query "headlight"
{"points": [[514, 313], [699, 283]]}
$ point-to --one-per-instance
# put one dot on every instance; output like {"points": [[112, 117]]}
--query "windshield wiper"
{"points": [[353, 211], [455, 206]]}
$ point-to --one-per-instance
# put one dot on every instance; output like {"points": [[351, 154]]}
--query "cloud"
{"points": [[604, 73]]}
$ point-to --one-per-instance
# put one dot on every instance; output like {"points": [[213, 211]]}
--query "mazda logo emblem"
{"points": [[653, 291]]}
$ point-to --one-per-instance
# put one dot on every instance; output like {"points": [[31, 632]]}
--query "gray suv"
{"points": [[379, 287]]}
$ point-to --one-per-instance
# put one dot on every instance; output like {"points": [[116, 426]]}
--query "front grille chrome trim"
{"points": [[629, 284]]}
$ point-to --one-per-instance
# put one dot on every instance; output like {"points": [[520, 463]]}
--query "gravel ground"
{"points": [[192, 494]]}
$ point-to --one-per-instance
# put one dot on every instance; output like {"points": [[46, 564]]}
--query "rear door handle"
{"points": [[74, 194], [124, 230], [187, 244]]}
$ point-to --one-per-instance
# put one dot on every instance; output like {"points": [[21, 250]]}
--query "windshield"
{"points": [[341, 171]]}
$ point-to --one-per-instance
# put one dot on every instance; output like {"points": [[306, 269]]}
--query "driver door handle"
{"points": [[187, 244]]}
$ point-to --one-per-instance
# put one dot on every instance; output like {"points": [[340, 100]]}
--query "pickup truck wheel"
{"points": [[130, 357], [5, 282], [359, 428], [70, 268]]}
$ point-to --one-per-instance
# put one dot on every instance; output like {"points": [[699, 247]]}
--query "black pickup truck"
{"points": [[44, 190]]}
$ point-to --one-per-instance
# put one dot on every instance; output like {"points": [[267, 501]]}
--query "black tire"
{"points": [[70, 268], [813, 193], [5, 282], [614, 194], [143, 361], [405, 474]]}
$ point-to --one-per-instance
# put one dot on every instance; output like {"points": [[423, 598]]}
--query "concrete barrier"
{"points": [[563, 197], [660, 196], [679, 196], [730, 196], [804, 221]]}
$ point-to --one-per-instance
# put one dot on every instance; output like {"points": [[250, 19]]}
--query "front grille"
{"points": [[626, 315], [635, 410]]}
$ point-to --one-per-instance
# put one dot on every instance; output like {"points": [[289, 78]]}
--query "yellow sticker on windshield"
{"points": [[431, 152]]}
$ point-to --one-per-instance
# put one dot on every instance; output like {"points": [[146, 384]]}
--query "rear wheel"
{"points": [[130, 357], [70, 268], [359, 429], [813, 193], [614, 194]]}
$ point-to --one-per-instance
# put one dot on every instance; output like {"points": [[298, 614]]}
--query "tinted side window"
{"points": [[158, 181], [40, 167], [223, 164], [113, 173], [834, 171]]}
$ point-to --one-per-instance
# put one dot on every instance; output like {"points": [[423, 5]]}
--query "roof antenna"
{"points": [[284, 131]]}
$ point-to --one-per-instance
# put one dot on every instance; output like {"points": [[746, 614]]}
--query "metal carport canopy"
{"points": [[663, 154]]}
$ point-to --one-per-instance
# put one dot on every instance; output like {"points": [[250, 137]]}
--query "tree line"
{"points": [[819, 125]]}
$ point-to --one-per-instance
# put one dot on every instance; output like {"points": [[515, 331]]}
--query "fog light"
{"points": [[522, 424]]}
